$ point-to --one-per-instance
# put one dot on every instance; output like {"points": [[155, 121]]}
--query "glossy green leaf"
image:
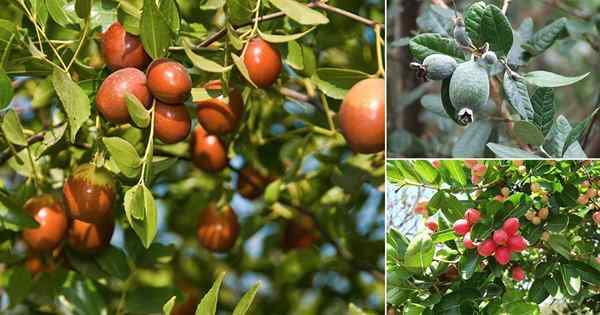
{"points": [[203, 63], [125, 155], [244, 304], [137, 111], [74, 100], [6, 90], [12, 128], [424, 45], [335, 82], [208, 304], [300, 12], [155, 31], [552, 80], [542, 101]]}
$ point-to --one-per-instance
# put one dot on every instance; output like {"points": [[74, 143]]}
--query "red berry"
{"points": [[596, 217], [486, 248], [122, 50], [52, 219], [467, 242], [362, 116], [432, 224], [502, 255], [470, 163], [436, 163], [169, 81], [263, 62], [421, 208], [517, 243], [218, 229], [89, 193], [511, 226], [472, 216], [172, 123], [110, 99], [208, 152], [216, 115], [479, 169], [461, 227], [500, 237], [517, 273]]}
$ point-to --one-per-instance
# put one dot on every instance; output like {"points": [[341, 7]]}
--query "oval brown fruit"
{"points": [[251, 184], [49, 213], [263, 62], [300, 233], [169, 81], [216, 116], [110, 99], [362, 116], [172, 123], [90, 238], [123, 50], [217, 229], [208, 151], [89, 193]]}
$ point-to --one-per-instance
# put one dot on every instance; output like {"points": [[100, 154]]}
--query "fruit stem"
{"points": [[327, 113], [379, 44], [149, 145], [85, 31]]}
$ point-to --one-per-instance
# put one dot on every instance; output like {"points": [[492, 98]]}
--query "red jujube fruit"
{"points": [[362, 116], [50, 214], [89, 238], [251, 183], [122, 50], [217, 229], [263, 62], [110, 99], [217, 116], [300, 233], [208, 151], [172, 123], [169, 81], [89, 193]]}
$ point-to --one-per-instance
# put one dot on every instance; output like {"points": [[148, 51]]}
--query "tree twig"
{"points": [[505, 6], [315, 4]]}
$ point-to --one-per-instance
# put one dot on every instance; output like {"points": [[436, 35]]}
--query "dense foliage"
{"points": [[497, 237], [223, 166]]}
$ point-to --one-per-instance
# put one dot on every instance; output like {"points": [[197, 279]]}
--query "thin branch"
{"points": [[7, 154], [505, 6], [315, 4]]}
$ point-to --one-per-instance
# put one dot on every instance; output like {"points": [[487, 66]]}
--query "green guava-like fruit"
{"points": [[489, 58], [439, 66], [469, 89]]}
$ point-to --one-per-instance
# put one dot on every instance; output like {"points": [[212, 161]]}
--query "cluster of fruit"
{"points": [[501, 244], [477, 170], [469, 81], [536, 217]]}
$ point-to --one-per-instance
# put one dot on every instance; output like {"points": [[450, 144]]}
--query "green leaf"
{"points": [[545, 37], [114, 262], [6, 90], [19, 285], [74, 100], [208, 304], [543, 107], [240, 11], [273, 38], [170, 13], [456, 171], [59, 13], [42, 96], [272, 191], [138, 113], [244, 304], [496, 30], [560, 244], [12, 129], [155, 32], [300, 12], [473, 22], [468, 264], [556, 137], [148, 300], [168, 307], [473, 140], [549, 79], [123, 153], [140, 209], [503, 151], [419, 254], [133, 202], [241, 66], [577, 132], [427, 44], [557, 223], [518, 96], [528, 133], [83, 8], [202, 63], [335, 82], [51, 138], [355, 310], [426, 171], [571, 280], [82, 296]]}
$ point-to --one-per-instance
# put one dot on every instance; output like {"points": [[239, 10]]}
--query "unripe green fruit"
{"points": [[469, 89], [489, 58], [439, 66]]}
